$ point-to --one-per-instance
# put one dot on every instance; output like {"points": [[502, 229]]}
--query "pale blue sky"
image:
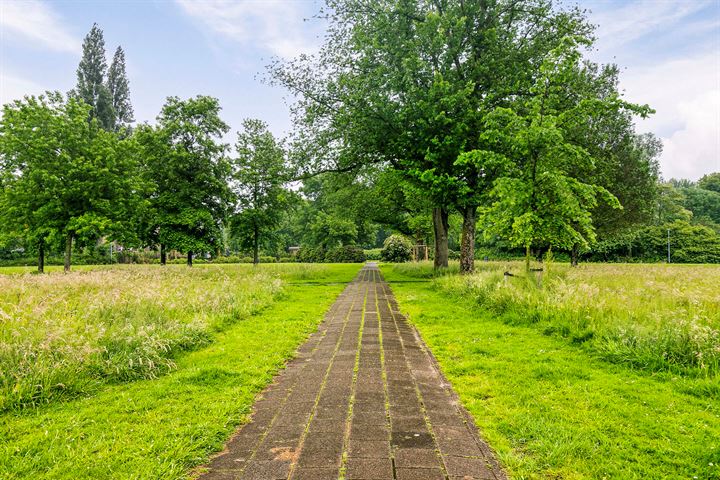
{"points": [[670, 51]]}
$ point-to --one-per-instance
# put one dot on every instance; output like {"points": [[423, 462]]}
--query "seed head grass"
{"points": [[532, 365], [64, 335], [654, 317]]}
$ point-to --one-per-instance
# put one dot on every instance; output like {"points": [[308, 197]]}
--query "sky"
{"points": [[669, 51]]}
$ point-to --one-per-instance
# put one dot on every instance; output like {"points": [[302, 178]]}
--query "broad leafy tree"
{"points": [[711, 181], [62, 176], [186, 162], [405, 84], [258, 178], [540, 200]]}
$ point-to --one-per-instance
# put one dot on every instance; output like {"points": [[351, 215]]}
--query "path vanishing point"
{"points": [[362, 399]]}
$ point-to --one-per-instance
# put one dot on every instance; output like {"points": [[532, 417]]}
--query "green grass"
{"points": [[162, 427], [66, 335], [554, 409], [655, 317]]}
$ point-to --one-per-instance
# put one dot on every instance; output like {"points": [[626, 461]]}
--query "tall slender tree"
{"points": [[118, 86], [91, 73], [259, 175]]}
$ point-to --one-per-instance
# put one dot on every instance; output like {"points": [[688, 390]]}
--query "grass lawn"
{"points": [[162, 427], [553, 408]]}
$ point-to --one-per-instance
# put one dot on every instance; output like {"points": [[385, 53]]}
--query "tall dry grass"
{"points": [[652, 316], [64, 335]]}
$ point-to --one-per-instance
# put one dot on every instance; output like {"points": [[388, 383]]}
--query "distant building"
{"points": [[293, 250]]}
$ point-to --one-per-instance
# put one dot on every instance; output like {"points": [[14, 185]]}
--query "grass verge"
{"points": [[552, 409], [163, 427]]}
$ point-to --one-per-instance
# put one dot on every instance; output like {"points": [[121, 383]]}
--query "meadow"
{"points": [[143, 371], [606, 371], [651, 316]]}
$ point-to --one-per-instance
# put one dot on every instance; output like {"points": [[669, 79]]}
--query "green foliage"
{"points": [[65, 177], [259, 174], [345, 254], [711, 182], [373, 254], [328, 231], [91, 87], [703, 203], [118, 87], [186, 165], [407, 85], [396, 249], [541, 200], [311, 255], [688, 243]]}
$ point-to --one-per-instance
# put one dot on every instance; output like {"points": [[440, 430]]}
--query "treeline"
{"points": [[436, 120], [73, 171], [484, 109]]}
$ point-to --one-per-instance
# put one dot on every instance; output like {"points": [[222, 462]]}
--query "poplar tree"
{"points": [[118, 86], [91, 73]]}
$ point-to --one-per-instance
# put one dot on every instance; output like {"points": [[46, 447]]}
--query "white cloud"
{"points": [[686, 95], [34, 21], [694, 149], [273, 25], [619, 26], [15, 88]]}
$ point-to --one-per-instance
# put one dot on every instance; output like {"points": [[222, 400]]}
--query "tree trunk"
{"points": [[440, 229], [41, 256], [163, 254], [189, 259], [68, 251], [256, 245], [527, 260], [574, 254], [467, 243]]}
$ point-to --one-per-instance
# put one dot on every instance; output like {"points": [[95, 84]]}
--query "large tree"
{"points": [[711, 181], [405, 83], [91, 72], [541, 199], [119, 88], [185, 160], [64, 176], [259, 175]]}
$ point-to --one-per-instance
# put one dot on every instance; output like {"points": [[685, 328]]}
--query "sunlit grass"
{"points": [[656, 317], [556, 408], [164, 427], [63, 335]]}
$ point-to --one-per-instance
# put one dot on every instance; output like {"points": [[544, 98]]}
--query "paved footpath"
{"points": [[363, 399]]}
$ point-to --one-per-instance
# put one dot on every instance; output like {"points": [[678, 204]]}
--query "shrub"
{"points": [[345, 254], [311, 255], [373, 254], [396, 249]]}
